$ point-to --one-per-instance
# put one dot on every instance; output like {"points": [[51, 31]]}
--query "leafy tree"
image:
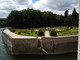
{"points": [[14, 19], [29, 18], [49, 18], [66, 14], [60, 20], [68, 21], [74, 18], [3, 22]]}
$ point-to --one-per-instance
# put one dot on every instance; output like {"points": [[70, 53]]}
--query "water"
{"points": [[5, 55]]}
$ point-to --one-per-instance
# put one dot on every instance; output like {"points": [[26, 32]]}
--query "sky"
{"points": [[56, 6], [34, 1]]}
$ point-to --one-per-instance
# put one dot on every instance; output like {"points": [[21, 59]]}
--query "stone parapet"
{"points": [[18, 44]]}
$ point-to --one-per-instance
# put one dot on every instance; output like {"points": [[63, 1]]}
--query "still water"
{"points": [[5, 55]]}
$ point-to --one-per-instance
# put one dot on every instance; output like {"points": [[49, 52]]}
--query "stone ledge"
{"points": [[16, 36], [18, 44]]}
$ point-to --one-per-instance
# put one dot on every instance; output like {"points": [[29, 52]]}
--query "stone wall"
{"points": [[39, 45], [60, 45], [65, 44], [8, 41]]}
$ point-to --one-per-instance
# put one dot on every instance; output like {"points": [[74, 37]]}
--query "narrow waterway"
{"points": [[5, 55]]}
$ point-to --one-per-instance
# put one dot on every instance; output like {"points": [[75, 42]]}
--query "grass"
{"points": [[26, 32], [67, 31], [63, 31]]}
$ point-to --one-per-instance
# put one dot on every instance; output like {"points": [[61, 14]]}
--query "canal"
{"points": [[5, 54]]}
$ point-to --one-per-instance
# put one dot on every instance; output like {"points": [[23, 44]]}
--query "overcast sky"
{"points": [[56, 6]]}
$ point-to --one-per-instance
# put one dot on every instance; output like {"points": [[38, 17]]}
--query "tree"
{"points": [[68, 21], [14, 19], [66, 14], [60, 20], [48, 18], [3, 22], [30, 18], [74, 18]]}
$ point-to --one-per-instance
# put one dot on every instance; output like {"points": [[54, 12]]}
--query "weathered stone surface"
{"points": [[39, 45]]}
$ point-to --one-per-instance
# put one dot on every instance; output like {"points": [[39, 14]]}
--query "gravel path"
{"points": [[47, 34]]}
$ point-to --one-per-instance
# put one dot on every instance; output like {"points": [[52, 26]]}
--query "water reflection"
{"points": [[71, 56]]}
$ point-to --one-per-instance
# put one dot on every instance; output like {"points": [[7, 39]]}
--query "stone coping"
{"points": [[16, 36]]}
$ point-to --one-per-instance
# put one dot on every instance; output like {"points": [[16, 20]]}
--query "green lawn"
{"points": [[63, 31], [25, 32], [68, 32]]}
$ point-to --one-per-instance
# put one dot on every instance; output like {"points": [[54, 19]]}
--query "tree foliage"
{"points": [[71, 20], [3, 22], [66, 14], [35, 18], [75, 17]]}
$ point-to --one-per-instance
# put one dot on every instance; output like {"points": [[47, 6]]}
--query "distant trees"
{"points": [[66, 14], [67, 20], [35, 18], [14, 19], [48, 18], [25, 18], [71, 20], [3, 22], [59, 20], [74, 18]]}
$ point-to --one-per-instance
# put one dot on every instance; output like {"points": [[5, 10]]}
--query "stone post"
{"points": [[78, 55]]}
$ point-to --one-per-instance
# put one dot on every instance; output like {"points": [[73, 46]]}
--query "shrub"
{"points": [[19, 33], [13, 30], [40, 33], [71, 27], [53, 33]]}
